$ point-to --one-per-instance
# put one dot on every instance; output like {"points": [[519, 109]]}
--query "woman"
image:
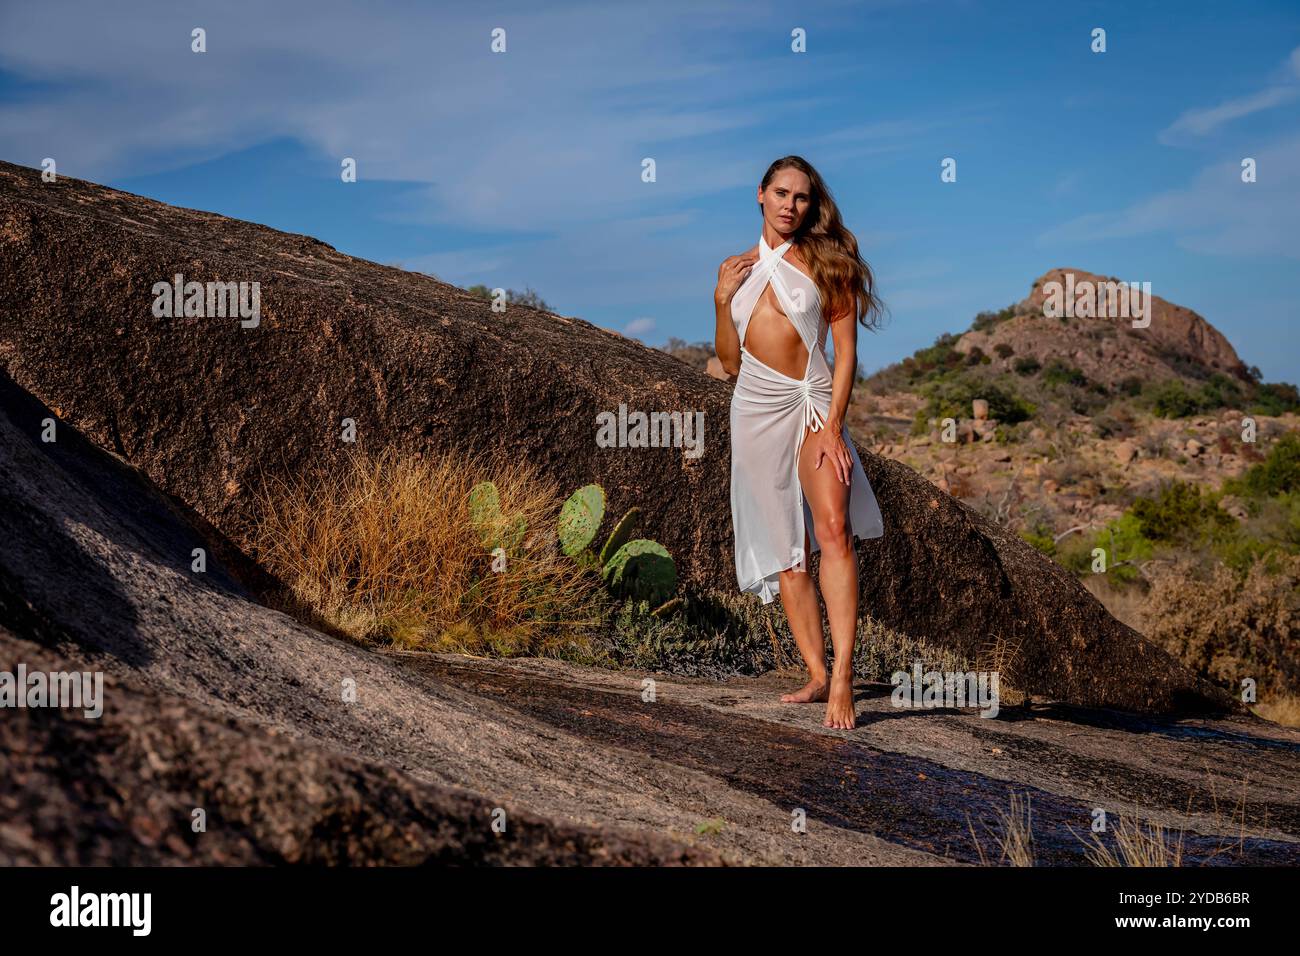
{"points": [[797, 485]]}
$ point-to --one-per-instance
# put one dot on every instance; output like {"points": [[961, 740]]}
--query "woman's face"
{"points": [[785, 200]]}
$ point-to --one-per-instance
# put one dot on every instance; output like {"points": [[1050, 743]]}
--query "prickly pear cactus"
{"points": [[620, 535], [485, 511], [580, 517], [512, 531], [644, 570], [495, 530]]}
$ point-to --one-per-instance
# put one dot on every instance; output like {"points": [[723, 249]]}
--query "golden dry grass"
{"points": [[1014, 835], [1281, 710], [383, 549], [1136, 844]]}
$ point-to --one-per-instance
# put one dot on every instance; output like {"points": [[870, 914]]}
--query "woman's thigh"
{"points": [[827, 496]]}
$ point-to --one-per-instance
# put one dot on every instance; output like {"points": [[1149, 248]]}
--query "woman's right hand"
{"points": [[731, 274]]}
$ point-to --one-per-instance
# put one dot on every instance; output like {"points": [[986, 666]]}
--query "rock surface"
{"points": [[213, 701]]}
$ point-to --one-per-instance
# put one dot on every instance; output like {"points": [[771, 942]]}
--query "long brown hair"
{"points": [[842, 276]]}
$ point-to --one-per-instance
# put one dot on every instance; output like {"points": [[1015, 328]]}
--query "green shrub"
{"points": [[935, 360], [1041, 538], [1275, 398], [1171, 399], [1058, 372], [1220, 391], [1276, 474], [1130, 385], [1179, 512], [951, 396], [986, 320], [1026, 365]]}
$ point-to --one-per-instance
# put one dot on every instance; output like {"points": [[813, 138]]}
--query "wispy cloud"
{"points": [[639, 328], [545, 133], [1216, 213], [1203, 121]]}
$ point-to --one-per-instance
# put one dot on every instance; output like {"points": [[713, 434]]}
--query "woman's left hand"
{"points": [[828, 443]]}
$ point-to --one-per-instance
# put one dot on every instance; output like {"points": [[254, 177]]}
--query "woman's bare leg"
{"points": [[828, 499], [799, 598]]}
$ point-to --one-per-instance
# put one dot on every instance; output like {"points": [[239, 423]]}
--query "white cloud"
{"points": [[530, 139], [1205, 120], [639, 328], [1216, 213]]}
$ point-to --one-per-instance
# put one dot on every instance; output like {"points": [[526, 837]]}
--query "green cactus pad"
{"points": [[580, 518], [643, 570], [512, 533], [620, 535], [495, 530], [485, 511]]}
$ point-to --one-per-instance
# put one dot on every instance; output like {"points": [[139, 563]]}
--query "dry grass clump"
{"points": [[1228, 626], [1013, 835], [1137, 843], [383, 549]]}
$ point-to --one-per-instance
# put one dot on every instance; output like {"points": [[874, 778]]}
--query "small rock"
{"points": [[1193, 447], [980, 407], [1050, 487], [1125, 452], [1234, 506]]}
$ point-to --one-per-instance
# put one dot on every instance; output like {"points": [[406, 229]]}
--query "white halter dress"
{"points": [[769, 412]]}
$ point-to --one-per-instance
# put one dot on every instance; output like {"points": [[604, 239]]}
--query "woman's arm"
{"points": [[844, 333], [726, 340], [830, 440]]}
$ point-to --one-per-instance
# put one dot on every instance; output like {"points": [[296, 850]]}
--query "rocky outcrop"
{"points": [[1104, 344], [214, 703], [205, 405]]}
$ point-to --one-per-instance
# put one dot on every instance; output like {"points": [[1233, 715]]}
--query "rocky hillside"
{"points": [[1108, 347]]}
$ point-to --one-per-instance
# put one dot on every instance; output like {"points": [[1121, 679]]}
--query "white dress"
{"points": [[769, 412]]}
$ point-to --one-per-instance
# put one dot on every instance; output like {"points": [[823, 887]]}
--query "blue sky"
{"points": [[524, 168]]}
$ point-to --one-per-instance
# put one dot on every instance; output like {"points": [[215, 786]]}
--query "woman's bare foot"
{"points": [[809, 693], [839, 705]]}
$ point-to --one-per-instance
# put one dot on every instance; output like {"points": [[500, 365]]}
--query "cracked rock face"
{"points": [[202, 405]]}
